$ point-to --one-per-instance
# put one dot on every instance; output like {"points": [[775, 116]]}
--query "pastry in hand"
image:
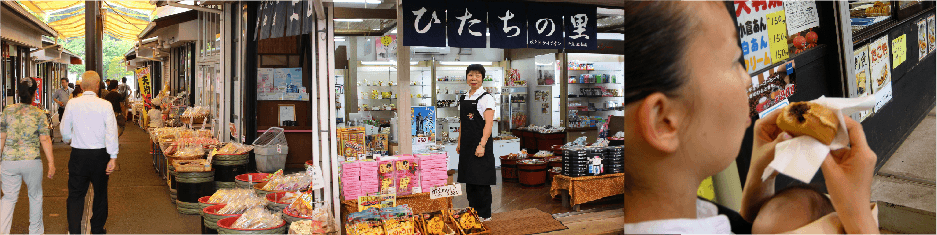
{"points": [[805, 118]]}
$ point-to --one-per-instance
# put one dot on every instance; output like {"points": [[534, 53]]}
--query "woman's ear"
{"points": [[658, 119]]}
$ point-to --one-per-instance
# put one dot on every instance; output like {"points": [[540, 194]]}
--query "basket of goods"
{"points": [[543, 154], [304, 227], [196, 115], [304, 208], [197, 165], [284, 183], [188, 152], [233, 152], [254, 221], [242, 205], [281, 200], [212, 216], [399, 220], [435, 223], [467, 222], [250, 179]]}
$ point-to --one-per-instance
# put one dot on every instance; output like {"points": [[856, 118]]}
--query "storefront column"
{"points": [[93, 37], [404, 141]]}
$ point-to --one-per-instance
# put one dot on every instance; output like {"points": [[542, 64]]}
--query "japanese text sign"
{"points": [[580, 27], [424, 23], [777, 34], [545, 26], [466, 24], [445, 191], [143, 80], [753, 31], [770, 89], [880, 71], [508, 22], [899, 50], [801, 15]]}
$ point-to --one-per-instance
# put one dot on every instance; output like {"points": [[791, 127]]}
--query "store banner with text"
{"points": [[580, 27], [466, 24], [143, 81], [545, 26], [753, 31], [770, 89], [36, 97], [880, 68], [508, 22], [424, 23]]}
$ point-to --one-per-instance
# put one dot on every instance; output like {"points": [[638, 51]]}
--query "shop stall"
{"points": [[21, 33]]}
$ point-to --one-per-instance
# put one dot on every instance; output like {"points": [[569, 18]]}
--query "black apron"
{"points": [[473, 169]]}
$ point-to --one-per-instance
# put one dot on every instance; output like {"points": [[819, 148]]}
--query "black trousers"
{"points": [[87, 166], [61, 112], [479, 197]]}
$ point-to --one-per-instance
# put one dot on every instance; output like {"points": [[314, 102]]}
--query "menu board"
{"points": [[862, 77], [753, 32], [880, 71], [770, 89]]}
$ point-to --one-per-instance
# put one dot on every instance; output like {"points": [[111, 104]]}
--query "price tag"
{"points": [[279, 149], [777, 33], [445, 191], [899, 50], [417, 190], [316, 173]]}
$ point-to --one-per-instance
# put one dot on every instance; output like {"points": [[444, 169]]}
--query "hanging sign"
{"points": [[777, 34], [467, 26], [266, 19], [771, 89], [753, 32], [308, 17], [294, 18], [880, 71], [278, 20], [862, 77], [36, 97], [580, 27], [899, 50], [143, 81], [423, 23], [921, 39], [545, 26], [386, 47], [508, 22]]}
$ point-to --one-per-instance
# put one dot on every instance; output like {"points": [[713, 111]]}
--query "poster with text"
{"points": [[899, 50], [386, 47], [777, 36], [423, 124], [880, 70], [931, 34], [802, 25], [143, 83], [753, 31], [922, 39], [289, 84], [37, 99], [770, 89], [265, 86], [862, 77]]}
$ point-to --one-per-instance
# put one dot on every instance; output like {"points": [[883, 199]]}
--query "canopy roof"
{"points": [[123, 19]]}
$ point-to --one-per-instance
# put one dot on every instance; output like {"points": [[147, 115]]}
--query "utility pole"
{"points": [[94, 41]]}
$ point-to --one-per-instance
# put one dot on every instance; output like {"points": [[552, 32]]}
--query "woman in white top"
{"points": [[686, 112]]}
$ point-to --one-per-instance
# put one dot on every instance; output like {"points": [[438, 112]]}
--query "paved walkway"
{"points": [[138, 198]]}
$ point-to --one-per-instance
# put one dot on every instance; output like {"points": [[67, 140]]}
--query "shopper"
{"points": [[686, 111], [476, 153], [23, 128], [76, 92], [124, 90], [61, 97], [116, 99], [91, 128]]}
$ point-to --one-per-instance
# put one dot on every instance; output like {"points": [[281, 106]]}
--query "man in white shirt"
{"points": [[90, 127]]}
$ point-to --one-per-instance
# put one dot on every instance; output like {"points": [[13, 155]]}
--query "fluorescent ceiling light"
{"points": [[464, 62], [339, 39], [349, 20], [611, 36], [384, 62]]}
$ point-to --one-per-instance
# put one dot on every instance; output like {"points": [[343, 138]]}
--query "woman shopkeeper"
{"points": [[476, 153]]}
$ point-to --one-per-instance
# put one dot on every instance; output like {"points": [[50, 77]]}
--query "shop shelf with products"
{"points": [[595, 91], [378, 84], [450, 86]]}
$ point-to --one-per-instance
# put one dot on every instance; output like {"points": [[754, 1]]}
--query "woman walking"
{"points": [[23, 128]]}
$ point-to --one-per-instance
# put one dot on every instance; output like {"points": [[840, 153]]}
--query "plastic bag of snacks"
{"points": [[224, 196], [307, 227], [257, 218], [398, 220], [543, 154], [242, 205], [190, 151], [291, 182], [434, 223], [467, 220], [235, 148], [366, 228], [302, 206]]}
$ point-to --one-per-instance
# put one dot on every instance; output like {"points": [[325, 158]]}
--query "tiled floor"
{"points": [[511, 197]]}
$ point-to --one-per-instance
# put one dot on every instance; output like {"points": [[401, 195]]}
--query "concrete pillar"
{"points": [[404, 140]]}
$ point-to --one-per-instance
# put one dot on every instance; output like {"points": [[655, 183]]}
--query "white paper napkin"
{"points": [[801, 157]]}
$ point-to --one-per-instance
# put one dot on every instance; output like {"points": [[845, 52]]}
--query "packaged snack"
{"points": [[224, 196], [303, 206], [367, 228], [467, 220], [257, 218], [242, 205], [434, 223], [387, 175], [292, 182]]}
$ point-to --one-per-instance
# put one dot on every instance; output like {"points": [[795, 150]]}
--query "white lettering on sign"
{"points": [[465, 17], [445, 191], [579, 22], [545, 22], [507, 16], [419, 14]]}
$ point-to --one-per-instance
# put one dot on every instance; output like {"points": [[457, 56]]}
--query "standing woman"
{"points": [[477, 160], [23, 128]]}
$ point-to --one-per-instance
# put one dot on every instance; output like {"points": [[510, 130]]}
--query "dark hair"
{"points": [[71, 85], [820, 203], [475, 67], [111, 84], [123, 79], [657, 40], [77, 90], [63, 79], [26, 90]]}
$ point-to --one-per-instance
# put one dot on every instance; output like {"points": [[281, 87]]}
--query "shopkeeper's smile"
{"points": [[474, 79]]}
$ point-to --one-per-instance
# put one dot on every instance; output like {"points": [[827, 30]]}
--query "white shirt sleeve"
{"points": [[65, 126], [110, 134], [486, 102]]}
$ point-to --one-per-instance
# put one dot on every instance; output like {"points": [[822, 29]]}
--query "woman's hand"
{"points": [[767, 135], [51, 170], [458, 148], [848, 175], [480, 151]]}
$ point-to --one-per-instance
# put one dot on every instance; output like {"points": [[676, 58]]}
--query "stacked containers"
{"points": [[351, 184], [593, 153], [614, 159], [368, 176], [406, 175], [575, 162], [433, 170]]}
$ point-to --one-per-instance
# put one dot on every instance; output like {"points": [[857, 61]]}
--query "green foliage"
{"points": [[113, 50]]}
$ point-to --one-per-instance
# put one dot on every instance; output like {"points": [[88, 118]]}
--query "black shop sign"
{"points": [[510, 24]]}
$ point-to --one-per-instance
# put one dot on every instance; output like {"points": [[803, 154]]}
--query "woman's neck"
{"points": [[472, 90], [660, 196]]}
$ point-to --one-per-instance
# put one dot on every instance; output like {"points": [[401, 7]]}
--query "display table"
{"points": [[420, 203], [536, 141], [579, 190]]}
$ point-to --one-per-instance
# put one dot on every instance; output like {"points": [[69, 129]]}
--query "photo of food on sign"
{"points": [[771, 88], [921, 39]]}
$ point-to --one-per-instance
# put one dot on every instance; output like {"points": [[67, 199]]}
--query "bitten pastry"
{"points": [[805, 118]]}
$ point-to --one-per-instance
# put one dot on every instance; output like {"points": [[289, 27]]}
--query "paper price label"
{"points": [[899, 50], [445, 191], [417, 190], [279, 149], [777, 33], [421, 140], [317, 180]]}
